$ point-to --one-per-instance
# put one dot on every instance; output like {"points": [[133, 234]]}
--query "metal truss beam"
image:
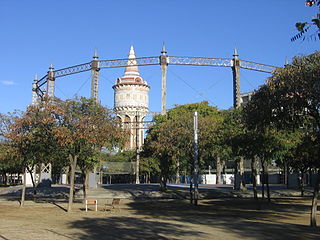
{"points": [[257, 66], [200, 61], [73, 70], [143, 61]]}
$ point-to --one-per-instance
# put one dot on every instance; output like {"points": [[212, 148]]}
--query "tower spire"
{"points": [[132, 68], [95, 54], [235, 53], [163, 52], [286, 62]]}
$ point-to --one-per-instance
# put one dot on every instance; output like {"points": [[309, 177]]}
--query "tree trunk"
{"points": [[40, 173], [313, 216], [73, 164], [263, 177], [236, 185], [239, 183], [219, 170], [5, 177], [178, 173], [254, 178], [302, 182], [85, 183], [33, 182], [23, 193], [267, 182], [191, 191], [163, 183], [241, 171]]}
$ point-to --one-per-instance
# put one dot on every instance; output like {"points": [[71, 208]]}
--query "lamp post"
{"points": [[195, 162]]}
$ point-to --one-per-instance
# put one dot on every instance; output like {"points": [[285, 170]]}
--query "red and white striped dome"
{"points": [[131, 73]]}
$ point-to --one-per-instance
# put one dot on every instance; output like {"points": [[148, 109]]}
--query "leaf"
{"points": [[300, 26]]}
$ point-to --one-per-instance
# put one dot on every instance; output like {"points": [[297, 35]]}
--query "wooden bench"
{"points": [[115, 203], [92, 201]]}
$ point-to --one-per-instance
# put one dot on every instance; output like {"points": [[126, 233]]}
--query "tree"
{"points": [[262, 140], [293, 103], [170, 140], [303, 27], [302, 156], [88, 159], [149, 166], [214, 150], [233, 128], [8, 161], [32, 139], [84, 127]]}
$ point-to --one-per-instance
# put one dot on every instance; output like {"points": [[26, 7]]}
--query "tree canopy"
{"points": [[290, 101]]}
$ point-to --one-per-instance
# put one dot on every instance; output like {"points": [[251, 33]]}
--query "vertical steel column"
{"points": [[34, 90], [236, 79], [50, 83], [164, 65], [239, 168], [95, 68]]}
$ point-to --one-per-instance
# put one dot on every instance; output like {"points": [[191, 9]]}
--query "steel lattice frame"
{"points": [[145, 61]]}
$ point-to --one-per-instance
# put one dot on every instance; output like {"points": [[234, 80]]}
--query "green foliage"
{"points": [[31, 135], [171, 139], [149, 165], [300, 26], [9, 161], [125, 156], [290, 102], [233, 130], [84, 127], [303, 27], [48, 132]]}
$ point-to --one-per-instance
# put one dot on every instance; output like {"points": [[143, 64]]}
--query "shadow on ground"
{"points": [[239, 216], [131, 228]]}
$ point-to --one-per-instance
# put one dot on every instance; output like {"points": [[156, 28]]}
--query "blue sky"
{"points": [[35, 34]]}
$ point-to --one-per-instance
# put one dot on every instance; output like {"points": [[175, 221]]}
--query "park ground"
{"points": [[149, 214]]}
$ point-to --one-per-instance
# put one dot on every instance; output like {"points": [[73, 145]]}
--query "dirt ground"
{"points": [[218, 218]]}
